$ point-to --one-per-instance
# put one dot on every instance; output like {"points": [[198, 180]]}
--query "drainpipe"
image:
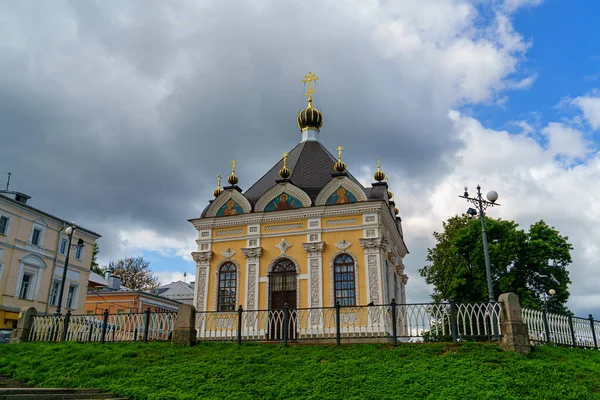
{"points": [[54, 267]]}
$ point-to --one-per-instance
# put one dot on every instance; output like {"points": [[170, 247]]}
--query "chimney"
{"points": [[107, 275], [114, 282]]}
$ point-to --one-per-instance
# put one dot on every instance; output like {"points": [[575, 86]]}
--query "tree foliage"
{"points": [[526, 263], [95, 267], [134, 272]]}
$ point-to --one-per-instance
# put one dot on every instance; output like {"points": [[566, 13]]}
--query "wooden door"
{"points": [[282, 290]]}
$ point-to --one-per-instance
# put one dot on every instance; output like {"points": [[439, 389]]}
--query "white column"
{"points": [[314, 258], [202, 259]]}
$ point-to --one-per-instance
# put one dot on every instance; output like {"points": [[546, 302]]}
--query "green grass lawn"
{"points": [[254, 371]]}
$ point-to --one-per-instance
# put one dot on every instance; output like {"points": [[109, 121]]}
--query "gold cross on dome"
{"points": [[285, 160], [339, 149], [378, 163], [310, 78], [219, 181], [233, 163]]}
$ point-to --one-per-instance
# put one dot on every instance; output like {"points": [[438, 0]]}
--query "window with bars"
{"points": [[344, 280], [227, 287]]}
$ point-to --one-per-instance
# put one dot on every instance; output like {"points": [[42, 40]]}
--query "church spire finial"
{"points": [[339, 166], [379, 175], [310, 120], [233, 179], [218, 190], [285, 172]]}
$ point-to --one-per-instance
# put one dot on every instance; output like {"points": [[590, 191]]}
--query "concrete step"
{"points": [[53, 395], [15, 390]]}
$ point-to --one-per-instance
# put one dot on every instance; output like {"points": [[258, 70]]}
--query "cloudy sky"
{"points": [[120, 114]]}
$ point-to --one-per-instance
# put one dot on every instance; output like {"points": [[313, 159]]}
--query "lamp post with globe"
{"points": [[481, 205]]}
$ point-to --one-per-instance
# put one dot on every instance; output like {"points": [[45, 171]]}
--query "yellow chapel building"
{"points": [[307, 234]]}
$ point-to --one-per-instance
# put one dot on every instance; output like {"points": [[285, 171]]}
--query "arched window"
{"points": [[227, 286], [343, 266]]}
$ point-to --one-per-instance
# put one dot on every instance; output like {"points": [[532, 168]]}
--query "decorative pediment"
{"points": [[343, 244], [283, 196], [283, 246], [228, 253], [230, 202], [340, 190]]}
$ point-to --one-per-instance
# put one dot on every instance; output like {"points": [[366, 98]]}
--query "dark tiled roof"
{"points": [[311, 165]]}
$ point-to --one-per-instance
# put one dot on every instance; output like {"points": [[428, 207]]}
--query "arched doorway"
{"points": [[282, 290]]}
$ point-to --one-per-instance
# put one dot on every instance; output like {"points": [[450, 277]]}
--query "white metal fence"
{"points": [[415, 322], [103, 327], [567, 330]]}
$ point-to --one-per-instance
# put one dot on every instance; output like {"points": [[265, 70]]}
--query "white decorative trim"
{"points": [[343, 244], [202, 257], [332, 277], [313, 237], [370, 219], [252, 269], [283, 246], [255, 228], [277, 190], [371, 232], [224, 197], [334, 184], [228, 253], [336, 222], [296, 225], [204, 233], [253, 242], [372, 267]]}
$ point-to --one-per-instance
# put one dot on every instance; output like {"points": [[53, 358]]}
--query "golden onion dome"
{"points": [[218, 190], [390, 194], [310, 118], [396, 211], [340, 167]]}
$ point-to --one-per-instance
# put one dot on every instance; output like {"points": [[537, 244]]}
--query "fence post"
{"points": [[453, 327], [394, 328], [593, 331], [24, 325], [239, 325], [66, 326], [286, 319], [146, 324], [546, 327], [570, 316], [104, 325], [337, 323]]}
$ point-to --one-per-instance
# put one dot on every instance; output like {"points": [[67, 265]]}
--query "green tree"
{"points": [[95, 267], [525, 263], [134, 272]]}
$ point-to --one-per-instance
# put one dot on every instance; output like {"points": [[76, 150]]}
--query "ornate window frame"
{"points": [[334, 184], [332, 276], [217, 281], [272, 264], [224, 197], [277, 190]]}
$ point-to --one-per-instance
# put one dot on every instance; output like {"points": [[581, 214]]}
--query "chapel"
{"points": [[307, 234]]}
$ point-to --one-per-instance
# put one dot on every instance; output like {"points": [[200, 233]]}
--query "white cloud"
{"points": [[140, 240], [165, 276], [590, 105], [514, 5]]}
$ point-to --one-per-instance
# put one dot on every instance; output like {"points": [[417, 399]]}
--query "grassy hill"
{"points": [[253, 371]]}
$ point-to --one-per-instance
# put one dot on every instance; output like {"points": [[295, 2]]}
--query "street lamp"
{"points": [[481, 205], [69, 230], [550, 293]]}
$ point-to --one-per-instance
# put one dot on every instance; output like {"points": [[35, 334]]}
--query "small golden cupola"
{"points": [[233, 179], [218, 190], [310, 119], [390, 194], [379, 175], [339, 166], [285, 172]]}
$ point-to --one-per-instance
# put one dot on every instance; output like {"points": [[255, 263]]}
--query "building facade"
{"points": [[183, 292], [306, 234], [106, 293], [33, 248]]}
